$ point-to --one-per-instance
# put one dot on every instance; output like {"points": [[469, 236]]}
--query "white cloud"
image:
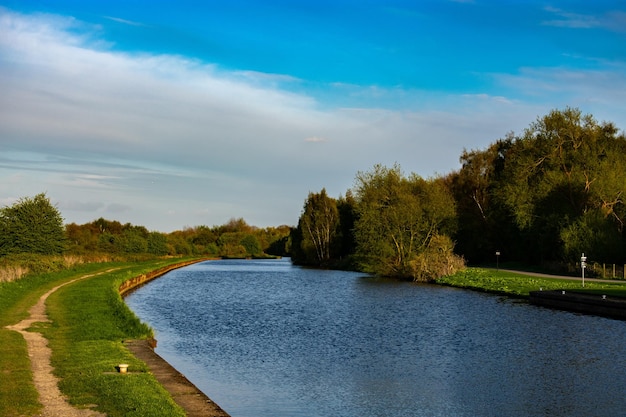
{"points": [[136, 135]]}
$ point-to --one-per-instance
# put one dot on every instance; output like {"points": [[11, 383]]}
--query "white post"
{"points": [[583, 264]]}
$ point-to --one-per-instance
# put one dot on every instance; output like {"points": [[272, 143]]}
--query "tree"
{"points": [[547, 195], [565, 167], [344, 245], [31, 225], [251, 245], [318, 224], [157, 244], [398, 218], [484, 224]]}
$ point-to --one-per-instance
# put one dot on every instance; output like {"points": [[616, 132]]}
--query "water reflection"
{"points": [[263, 338]]}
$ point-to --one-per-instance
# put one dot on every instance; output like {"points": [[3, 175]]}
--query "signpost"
{"points": [[583, 265], [497, 260]]}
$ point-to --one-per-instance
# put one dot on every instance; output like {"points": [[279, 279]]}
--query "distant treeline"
{"points": [[235, 239], [543, 197], [35, 226]]}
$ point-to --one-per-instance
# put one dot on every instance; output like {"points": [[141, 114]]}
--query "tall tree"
{"points": [[484, 225], [318, 224], [547, 195], [31, 225], [566, 172]]}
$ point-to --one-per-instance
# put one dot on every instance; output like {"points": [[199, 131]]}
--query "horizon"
{"points": [[183, 114]]}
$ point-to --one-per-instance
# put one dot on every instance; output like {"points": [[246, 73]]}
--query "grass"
{"points": [[18, 395], [89, 323], [520, 285]]}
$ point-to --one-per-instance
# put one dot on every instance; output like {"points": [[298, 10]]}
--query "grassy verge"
{"points": [[520, 285], [18, 395], [89, 323]]}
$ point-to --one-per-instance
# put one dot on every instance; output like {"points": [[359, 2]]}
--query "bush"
{"points": [[437, 261], [31, 225]]}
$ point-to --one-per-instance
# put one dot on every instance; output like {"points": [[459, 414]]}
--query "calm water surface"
{"points": [[265, 338]]}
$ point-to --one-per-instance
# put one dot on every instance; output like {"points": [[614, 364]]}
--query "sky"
{"points": [[175, 114]]}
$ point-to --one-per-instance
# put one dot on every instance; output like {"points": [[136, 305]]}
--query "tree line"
{"points": [[542, 197], [34, 225]]}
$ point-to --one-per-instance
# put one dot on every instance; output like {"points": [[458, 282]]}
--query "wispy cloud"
{"points": [[614, 21], [570, 20], [123, 21]]}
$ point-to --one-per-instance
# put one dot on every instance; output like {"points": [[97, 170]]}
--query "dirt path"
{"points": [[54, 402]]}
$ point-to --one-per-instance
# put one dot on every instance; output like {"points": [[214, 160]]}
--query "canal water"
{"points": [[264, 338]]}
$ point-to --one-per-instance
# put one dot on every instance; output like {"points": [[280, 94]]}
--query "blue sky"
{"points": [[174, 114]]}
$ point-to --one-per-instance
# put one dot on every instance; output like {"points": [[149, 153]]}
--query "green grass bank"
{"points": [[520, 285], [89, 322]]}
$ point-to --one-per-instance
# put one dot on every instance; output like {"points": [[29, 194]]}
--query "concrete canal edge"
{"points": [[184, 392], [139, 280], [599, 305]]}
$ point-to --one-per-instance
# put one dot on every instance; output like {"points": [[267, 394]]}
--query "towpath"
{"points": [[54, 402]]}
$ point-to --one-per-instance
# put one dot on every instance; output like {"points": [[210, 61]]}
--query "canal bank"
{"points": [[596, 304], [195, 402]]}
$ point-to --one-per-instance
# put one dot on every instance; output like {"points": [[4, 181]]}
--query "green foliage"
{"points": [[132, 241], [318, 227], [251, 245], [157, 244], [234, 239], [398, 221], [437, 260], [31, 225], [230, 245], [547, 195]]}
